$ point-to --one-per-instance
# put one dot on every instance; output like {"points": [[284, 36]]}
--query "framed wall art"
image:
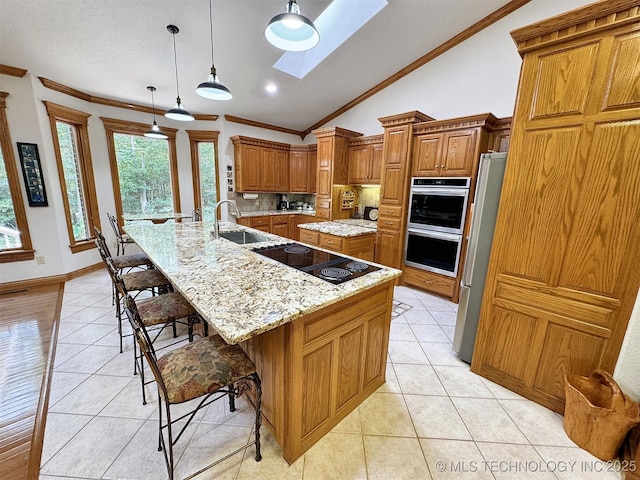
{"points": [[32, 173]]}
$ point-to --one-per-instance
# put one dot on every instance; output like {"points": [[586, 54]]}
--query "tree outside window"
{"points": [[204, 166], [9, 232]]}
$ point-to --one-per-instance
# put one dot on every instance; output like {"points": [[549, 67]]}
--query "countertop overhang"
{"points": [[240, 293], [342, 228]]}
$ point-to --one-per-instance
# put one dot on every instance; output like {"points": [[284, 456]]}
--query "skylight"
{"points": [[340, 20]]}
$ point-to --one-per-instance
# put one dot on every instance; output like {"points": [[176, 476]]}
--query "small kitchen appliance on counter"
{"points": [[371, 213], [282, 202]]}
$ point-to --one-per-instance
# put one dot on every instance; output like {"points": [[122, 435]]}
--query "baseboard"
{"points": [[24, 285]]}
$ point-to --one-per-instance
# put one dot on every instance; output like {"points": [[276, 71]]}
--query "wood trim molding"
{"points": [[267, 126], [133, 128], [335, 132], [19, 285], [483, 120], [195, 137], [59, 87], [404, 119], [436, 52], [370, 140], [25, 252], [259, 142], [13, 71], [577, 23]]}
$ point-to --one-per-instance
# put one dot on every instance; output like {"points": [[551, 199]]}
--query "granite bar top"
{"points": [[240, 293], [278, 212], [338, 229], [360, 222]]}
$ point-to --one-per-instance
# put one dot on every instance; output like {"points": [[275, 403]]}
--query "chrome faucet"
{"points": [[216, 224]]}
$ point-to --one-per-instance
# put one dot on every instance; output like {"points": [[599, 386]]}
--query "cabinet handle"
{"points": [[388, 223], [330, 242], [428, 282], [389, 211]]}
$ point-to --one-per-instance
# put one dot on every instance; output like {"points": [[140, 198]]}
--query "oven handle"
{"points": [[423, 232], [459, 192]]}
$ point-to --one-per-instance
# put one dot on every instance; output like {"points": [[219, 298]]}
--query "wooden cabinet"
{"points": [[361, 246], [451, 148], [261, 165], [332, 169], [280, 225], [302, 169], [365, 160], [425, 280], [563, 276], [394, 186]]}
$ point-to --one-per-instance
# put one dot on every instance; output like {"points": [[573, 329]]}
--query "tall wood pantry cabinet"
{"points": [[563, 276]]}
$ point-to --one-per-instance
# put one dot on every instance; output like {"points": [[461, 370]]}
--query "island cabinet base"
{"points": [[320, 367]]}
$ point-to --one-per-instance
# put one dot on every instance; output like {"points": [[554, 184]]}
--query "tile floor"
{"points": [[433, 419]]}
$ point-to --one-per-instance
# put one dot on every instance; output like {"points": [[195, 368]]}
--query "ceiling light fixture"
{"points": [[155, 131], [178, 112], [212, 88], [292, 31]]}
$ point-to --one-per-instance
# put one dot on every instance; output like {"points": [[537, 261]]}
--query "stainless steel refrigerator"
{"points": [[483, 221]]}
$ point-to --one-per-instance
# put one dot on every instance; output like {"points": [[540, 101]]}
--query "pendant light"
{"points": [[212, 88], [292, 31], [155, 131], [178, 112]]}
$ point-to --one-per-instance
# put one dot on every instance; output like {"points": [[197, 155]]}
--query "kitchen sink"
{"points": [[243, 237]]}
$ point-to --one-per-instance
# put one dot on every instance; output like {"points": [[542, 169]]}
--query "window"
{"points": [[15, 241], [204, 167], [144, 170], [75, 170]]}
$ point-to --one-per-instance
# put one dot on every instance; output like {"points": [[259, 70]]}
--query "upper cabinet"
{"points": [[451, 148], [365, 160], [266, 166], [302, 169]]}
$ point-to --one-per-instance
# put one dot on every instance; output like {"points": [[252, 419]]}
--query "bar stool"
{"points": [[206, 368], [123, 239]]}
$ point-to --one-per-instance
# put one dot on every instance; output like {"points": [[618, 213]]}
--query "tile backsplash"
{"points": [[268, 201]]}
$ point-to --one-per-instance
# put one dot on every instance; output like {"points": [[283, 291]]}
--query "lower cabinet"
{"points": [[282, 225], [361, 246], [433, 282]]}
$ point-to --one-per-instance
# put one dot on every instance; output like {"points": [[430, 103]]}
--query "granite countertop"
{"points": [[277, 212], [240, 293], [340, 229], [360, 222]]}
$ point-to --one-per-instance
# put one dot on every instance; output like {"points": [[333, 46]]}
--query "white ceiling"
{"points": [[115, 48]]}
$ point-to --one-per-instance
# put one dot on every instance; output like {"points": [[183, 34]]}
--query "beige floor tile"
{"points": [[62, 383], [391, 384], [500, 392], [87, 334], [218, 412], [436, 417], [540, 425], [402, 332], [435, 304], [91, 396], [508, 461], [64, 351], [419, 317], [210, 442], [61, 427], [441, 354], [407, 352], [487, 421], [445, 318], [128, 403], [418, 380], [272, 466], [386, 414], [350, 424], [394, 458], [461, 382], [454, 460], [573, 463], [87, 315], [90, 453], [336, 455], [430, 333], [89, 360]]}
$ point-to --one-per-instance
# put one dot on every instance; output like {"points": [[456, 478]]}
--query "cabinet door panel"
{"points": [[316, 369], [388, 248], [459, 153], [298, 172], [281, 165], [359, 160], [250, 169], [269, 171], [392, 192], [349, 348], [426, 155], [376, 164]]}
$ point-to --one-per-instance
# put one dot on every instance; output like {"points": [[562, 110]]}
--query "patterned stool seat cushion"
{"points": [[164, 308], [202, 366], [133, 260], [144, 279]]}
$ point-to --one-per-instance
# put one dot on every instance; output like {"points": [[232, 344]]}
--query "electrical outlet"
{"points": [[40, 260]]}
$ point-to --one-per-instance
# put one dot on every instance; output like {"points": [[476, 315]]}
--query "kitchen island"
{"points": [[351, 237], [320, 349]]}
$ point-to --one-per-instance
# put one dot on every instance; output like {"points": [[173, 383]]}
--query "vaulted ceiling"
{"points": [[115, 48]]}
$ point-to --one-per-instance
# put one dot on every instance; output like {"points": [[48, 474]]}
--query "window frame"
{"points": [[195, 138], [79, 121], [26, 251], [112, 126]]}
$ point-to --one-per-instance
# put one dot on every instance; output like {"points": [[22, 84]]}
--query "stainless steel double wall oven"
{"points": [[437, 211]]}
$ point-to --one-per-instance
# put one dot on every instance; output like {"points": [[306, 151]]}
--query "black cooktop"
{"points": [[327, 266]]}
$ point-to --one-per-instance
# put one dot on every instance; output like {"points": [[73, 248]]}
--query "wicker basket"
{"points": [[597, 415]]}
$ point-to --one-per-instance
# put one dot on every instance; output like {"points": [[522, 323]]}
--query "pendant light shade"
{"points": [[292, 31], [212, 88], [155, 131], [177, 112]]}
